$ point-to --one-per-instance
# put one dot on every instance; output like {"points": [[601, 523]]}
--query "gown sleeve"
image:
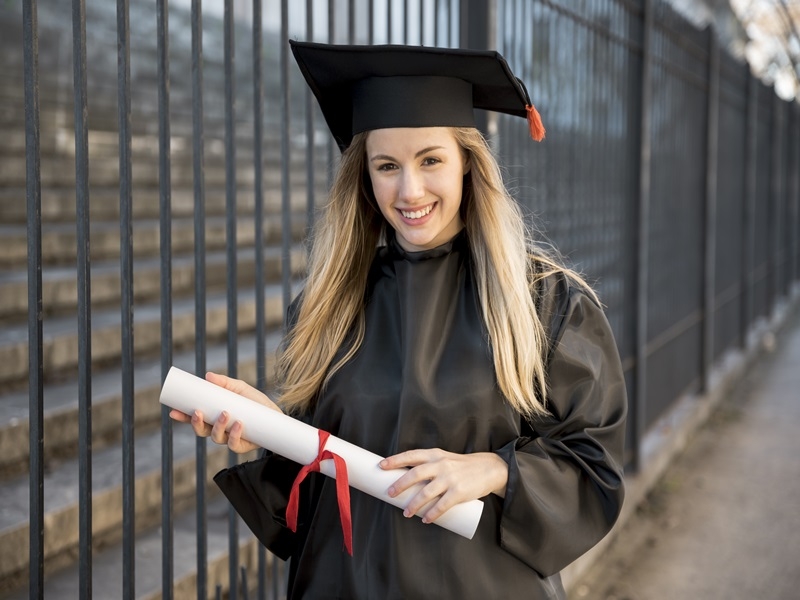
{"points": [[565, 483], [259, 489]]}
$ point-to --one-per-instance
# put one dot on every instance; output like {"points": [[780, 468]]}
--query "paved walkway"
{"points": [[724, 523]]}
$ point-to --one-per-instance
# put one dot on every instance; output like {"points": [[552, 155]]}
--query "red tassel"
{"points": [[535, 123], [342, 491]]}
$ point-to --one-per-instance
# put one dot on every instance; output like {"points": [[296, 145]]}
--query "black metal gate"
{"points": [[182, 181]]}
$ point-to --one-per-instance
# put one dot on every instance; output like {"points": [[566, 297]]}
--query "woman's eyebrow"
{"points": [[417, 155]]}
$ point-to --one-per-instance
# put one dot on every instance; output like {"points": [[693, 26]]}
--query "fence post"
{"points": [[751, 170], [477, 31], [126, 297], [776, 197], [710, 234], [165, 251], [794, 169], [643, 250], [33, 199]]}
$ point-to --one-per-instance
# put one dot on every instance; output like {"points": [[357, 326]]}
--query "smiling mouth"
{"points": [[417, 214]]}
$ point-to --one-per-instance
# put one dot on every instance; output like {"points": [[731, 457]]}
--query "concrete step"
{"points": [[58, 204], [60, 336], [59, 171], [107, 570], [61, 402], [59, 240], [57, 136], [60, 287], [62, 507]]}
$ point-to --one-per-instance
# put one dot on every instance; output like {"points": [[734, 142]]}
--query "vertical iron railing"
{"points": [[710, 234], [165, 251], [81, 123], [310, 131], [258, 163], [33, 201], [126, 296], [642, 247], [231, 268], [748, 241], [286, 208], [198, 171]]}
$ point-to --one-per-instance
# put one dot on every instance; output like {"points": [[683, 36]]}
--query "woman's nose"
{"points": [[411, 186]]}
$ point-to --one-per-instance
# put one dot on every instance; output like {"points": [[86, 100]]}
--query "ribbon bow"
{"points": [[342, 491]]}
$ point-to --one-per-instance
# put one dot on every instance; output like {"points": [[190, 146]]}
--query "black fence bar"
{"points": [[165, 251], [126, 296], [422, 22], [436, 36], [774, 252], [370, 23], [232, 269], [310, 131], [198, 173], [710, 234], [286, 222], [33, 199], [351, 22], [81, 112], [794, 170], [258, 162], [331, 40], [389, 11], [748, 242], [638, 409]]}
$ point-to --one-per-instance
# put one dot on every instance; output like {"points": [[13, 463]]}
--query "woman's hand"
{"points": [[232, 438], [452, 478]]}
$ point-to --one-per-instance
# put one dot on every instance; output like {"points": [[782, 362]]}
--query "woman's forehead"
{"points": [[411, 137]]}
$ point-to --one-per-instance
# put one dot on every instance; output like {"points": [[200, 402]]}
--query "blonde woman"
{"points": [[432, 331]]}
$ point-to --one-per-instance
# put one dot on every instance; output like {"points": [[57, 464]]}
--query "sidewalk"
{"points": [[724, 522]]}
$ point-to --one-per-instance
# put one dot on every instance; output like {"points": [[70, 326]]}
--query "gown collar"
{"points": [[396, 251]]}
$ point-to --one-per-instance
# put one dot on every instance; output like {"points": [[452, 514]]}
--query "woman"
{"points": [[432, 331]]}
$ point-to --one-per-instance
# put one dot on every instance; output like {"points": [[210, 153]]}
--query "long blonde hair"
{"points": [[507, 267]]}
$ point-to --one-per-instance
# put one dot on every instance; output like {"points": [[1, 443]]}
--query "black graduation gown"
{"points": [[424, 378]]}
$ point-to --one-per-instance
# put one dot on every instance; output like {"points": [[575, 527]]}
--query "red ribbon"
{"points": [[342, 491]]}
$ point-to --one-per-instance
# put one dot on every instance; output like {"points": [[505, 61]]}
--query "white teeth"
{"points": [[417, 214]]}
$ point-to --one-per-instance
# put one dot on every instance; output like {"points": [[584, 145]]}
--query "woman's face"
{"points": [[417, 175]]}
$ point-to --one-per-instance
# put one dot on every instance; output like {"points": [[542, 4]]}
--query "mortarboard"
{"points": [[360, 88]]}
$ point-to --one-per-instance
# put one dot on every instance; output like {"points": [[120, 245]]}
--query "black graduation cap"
{"points": [[360, 88]]}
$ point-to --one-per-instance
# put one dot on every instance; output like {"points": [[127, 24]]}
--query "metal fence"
{"points": [[670, 176]]}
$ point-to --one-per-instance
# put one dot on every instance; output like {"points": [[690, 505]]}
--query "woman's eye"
{"points": [[430, 160], [387, 167]]}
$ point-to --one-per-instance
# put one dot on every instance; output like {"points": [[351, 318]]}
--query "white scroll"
{"points": [[299, 442]]}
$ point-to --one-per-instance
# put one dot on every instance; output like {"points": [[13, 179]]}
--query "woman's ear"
{"points": [[467, 163]]}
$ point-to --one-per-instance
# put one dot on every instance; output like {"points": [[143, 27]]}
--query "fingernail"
{"points": [[195, 417], [406, 513], [390, 491], [223, 416], [384, 462], [425, 520]]}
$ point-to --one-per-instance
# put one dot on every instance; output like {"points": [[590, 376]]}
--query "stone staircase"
{"points": [[60, 337]]}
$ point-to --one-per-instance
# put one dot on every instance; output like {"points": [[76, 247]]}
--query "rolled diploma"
{"points": [[299, 442]]}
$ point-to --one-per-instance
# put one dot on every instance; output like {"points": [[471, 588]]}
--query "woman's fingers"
{"points": [[218, 433], [224, 430], [235, 441], [196, 419], [179, 416], [445, 479], [237, 386]]}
